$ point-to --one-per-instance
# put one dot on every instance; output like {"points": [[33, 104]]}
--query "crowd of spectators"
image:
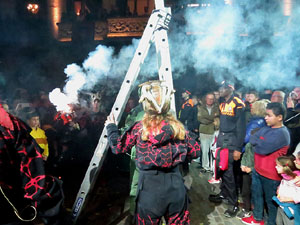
{"points": [[272, 121], [72, 138]]}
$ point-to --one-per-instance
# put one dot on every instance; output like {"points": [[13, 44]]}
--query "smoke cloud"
{"points": [[95, 67], [250, 42]]}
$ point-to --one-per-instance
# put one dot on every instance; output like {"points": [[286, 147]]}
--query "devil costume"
{"points": [[159, 151], [25, 188], [161, 190]]}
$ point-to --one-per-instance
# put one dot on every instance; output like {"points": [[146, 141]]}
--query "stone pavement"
{"points": [[110, 206], [202, 211]]}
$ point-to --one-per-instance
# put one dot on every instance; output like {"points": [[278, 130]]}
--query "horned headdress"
{"points": [[155, 96]]}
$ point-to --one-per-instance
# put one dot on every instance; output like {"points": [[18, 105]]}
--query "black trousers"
{"points": [[246, 191], [161, 194], [228, 186]]}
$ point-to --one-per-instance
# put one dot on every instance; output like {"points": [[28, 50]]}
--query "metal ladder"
{"points": [[155, 31]]}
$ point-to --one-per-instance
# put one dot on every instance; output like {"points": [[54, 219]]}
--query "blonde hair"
{"points": [[287, 164], [156, 97], [259, 107], [152, 124]]}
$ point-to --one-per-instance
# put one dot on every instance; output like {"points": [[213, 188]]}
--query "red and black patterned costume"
{"points": [[22, 174], [161, 190]]}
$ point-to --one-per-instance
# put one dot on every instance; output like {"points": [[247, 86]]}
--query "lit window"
{"points": [[33, 8]]}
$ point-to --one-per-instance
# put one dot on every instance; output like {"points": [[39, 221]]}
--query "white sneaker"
{"points": [[214, 181], [243, 213]]}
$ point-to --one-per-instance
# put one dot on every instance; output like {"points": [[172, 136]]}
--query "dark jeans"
{"points": [[264, 188], [246, 191], [228, 185]]}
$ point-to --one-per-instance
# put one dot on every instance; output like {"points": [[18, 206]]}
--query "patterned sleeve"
{"points": [[43, 191], [193, 146], [38, 186], [121, 144]]}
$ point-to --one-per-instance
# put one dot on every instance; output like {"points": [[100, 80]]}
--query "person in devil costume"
{"points": [[162, 144], [26, 192]]}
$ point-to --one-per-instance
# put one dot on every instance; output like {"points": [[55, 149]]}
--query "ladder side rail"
{"points": [[163, 53], [165, 70], [117, 109], [159, 4]]}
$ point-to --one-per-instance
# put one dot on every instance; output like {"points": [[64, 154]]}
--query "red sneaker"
{"points": [[214, 181], [250, 220]]}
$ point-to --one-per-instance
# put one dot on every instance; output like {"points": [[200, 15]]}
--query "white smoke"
{"points": [[99, 64], [95, 67], [252, 42]]}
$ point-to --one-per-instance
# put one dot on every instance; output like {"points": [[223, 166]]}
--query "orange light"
{"points": [[77, 7], [56, 9], [33, 8]]}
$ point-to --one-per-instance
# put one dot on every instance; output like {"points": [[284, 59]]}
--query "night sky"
{"points": [[30, 56]]}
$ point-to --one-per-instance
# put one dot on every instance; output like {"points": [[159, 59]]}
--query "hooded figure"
{"points": [[162, 144]]}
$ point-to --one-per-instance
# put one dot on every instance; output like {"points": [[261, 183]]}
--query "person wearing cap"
{"points": [[231, 137], [187, 114], [37, 133], [162, 144]]}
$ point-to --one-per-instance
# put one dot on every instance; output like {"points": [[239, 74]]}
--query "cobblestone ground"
{"points": [[110, 206], [202, 211]]}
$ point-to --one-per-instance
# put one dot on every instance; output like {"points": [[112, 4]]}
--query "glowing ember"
{"points": [[65, 117]]}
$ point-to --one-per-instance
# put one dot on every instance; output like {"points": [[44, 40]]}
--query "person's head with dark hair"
{"points": [[33, 119], [23, 113], [226, 89], [253, 96], [209, 99], [217, 95], [275, 114], [277, 108]]}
